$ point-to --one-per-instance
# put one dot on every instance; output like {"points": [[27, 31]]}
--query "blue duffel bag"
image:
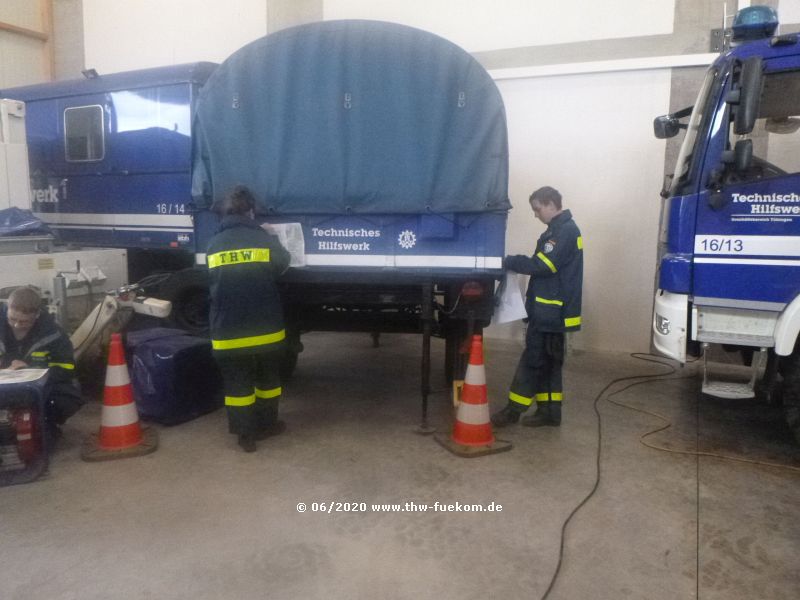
{"points": [[174, 376]]}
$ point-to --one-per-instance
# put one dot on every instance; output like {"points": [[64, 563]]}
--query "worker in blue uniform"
{"points": [[246, 319], [553, 304], [30, 338]]}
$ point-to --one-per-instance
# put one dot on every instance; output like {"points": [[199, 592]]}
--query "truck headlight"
{"points": [[662, 325]]}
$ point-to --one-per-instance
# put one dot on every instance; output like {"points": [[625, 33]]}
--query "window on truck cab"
{"points": [[84, 134], [776, 135], [703, 111]]}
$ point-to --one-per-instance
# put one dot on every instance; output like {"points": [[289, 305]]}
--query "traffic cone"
{"points": [[472, 431], [120, 434]]}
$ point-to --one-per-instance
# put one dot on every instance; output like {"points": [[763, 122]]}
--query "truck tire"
{"points": [[293, 349], [791, 392], [288, 364], [188, 292]]}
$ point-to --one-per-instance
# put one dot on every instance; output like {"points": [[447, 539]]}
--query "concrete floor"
{"points": [[200, 519]]}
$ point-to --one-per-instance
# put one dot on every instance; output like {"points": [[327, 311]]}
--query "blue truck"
{"points": [[386, 146], [729, 269]]}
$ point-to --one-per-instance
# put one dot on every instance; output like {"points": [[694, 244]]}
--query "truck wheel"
{"points": [[791, 392], [192, 311], [188, 292], [288, 364], [293, 349]]}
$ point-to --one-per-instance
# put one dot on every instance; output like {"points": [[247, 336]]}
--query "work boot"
{"points": [[273, 429], [546, 415], [53, 433], [555, 413], [507, 416], [247, 441]]}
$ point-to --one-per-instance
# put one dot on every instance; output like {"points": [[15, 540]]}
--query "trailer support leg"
{"points": [[427, 321]]}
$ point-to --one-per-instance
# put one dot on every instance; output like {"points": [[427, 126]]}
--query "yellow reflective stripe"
{"points": [[235, 257], [67, 366], [39, 354], [546, 261], [273, 393], [546, 301], [572, 322], [580, 242], [247, 342], [556, 396], [520, 399], [240, 400], [541, 397]]}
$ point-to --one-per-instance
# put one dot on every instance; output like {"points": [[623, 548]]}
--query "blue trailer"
{"points": [[386, 144], [730, 240]]}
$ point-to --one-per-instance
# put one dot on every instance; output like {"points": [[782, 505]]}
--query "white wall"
{"points": [[479, 25], [789, 11], [121, 35], [590, 136]]}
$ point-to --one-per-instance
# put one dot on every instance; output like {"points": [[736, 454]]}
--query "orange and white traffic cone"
{"points": [[472, 431], [120, 434]]}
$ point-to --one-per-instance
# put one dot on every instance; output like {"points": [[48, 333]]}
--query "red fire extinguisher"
{"points": [[27, 439]]}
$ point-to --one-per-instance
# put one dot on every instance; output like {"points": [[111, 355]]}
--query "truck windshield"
{"points": [[690, 140]]}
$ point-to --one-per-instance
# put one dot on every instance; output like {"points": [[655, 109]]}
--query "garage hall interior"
{"points": [[648, 489]]}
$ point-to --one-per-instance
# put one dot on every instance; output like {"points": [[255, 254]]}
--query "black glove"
{"points": [[515, 263]]}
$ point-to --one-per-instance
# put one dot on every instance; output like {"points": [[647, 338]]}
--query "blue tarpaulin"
{"points": [[352, 117], [17, 221]]}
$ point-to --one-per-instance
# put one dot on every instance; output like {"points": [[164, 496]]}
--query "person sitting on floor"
{"points": [[31, 339]]}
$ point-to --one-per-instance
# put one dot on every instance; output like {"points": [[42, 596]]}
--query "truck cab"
{"points": [[729, 245], [110, 160]]}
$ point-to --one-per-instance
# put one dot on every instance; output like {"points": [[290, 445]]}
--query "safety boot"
{"points": [[273, 429], [555, 413], [247, 441], [506, 416], [53, 433], [548, 414]]}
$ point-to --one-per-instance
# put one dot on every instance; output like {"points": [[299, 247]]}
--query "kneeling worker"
{"points": [[553, 304], [30, 338]]}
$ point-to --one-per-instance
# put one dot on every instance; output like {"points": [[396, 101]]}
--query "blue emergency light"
{"points": [[754, 23]]}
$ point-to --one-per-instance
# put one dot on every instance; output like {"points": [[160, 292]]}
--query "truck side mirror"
{"points": [[741, 157], [666, 126], [750, 82]]}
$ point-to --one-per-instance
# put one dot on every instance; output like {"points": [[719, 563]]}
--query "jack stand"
{"points": [[427, 317]]}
